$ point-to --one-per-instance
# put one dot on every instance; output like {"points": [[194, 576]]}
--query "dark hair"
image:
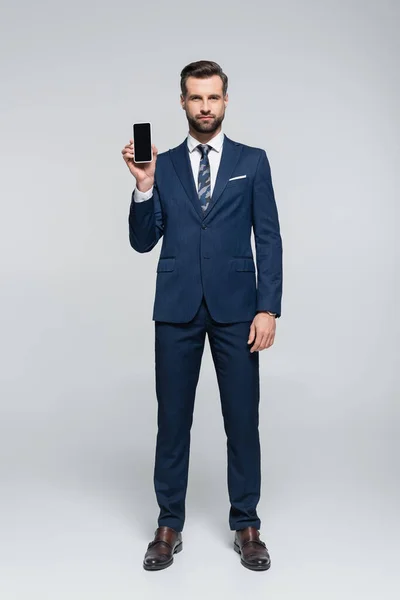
{"points": [[203, 69]]}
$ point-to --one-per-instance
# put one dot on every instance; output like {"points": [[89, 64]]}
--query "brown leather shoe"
{"points": [[161, 549], [253, 551]]}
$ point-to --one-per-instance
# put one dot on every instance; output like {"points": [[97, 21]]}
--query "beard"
{"points": [[202, 126]]}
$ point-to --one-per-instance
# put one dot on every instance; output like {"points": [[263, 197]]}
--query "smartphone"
{"points": [[143, 152]]}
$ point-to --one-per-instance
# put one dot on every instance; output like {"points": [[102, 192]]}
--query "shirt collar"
{"points": [[216, 142]]}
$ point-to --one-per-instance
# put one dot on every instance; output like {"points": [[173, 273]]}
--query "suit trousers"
{"points": [[178, 353]]}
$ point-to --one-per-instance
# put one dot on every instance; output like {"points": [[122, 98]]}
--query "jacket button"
{"points": [[204, 226]]}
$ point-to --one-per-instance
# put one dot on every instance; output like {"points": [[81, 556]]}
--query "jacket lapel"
{"points": [[230, 155], [181, 161]]}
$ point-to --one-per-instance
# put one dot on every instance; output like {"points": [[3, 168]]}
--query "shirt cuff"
{"points": [[139, 196]]}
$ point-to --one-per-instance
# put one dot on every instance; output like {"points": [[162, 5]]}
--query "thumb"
{"points": [[251, 334]]}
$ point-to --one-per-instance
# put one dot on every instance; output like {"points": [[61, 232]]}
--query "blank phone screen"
{"points": [[142, 141]]}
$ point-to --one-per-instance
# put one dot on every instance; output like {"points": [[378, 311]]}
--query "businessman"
{"points": [[203, 198]]}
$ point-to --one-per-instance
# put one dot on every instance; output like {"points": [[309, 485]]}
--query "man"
{"points": [[203, 197]]}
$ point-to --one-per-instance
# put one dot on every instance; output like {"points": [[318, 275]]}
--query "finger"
{"points": [[257, 343], [271, 340], [251, 334], [127, 157], [264, 342]]}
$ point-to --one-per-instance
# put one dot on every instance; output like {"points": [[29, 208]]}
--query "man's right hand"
{"points": [[143, 172]]}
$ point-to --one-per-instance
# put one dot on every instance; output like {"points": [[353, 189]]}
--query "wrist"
{"points": [[144, 186]]}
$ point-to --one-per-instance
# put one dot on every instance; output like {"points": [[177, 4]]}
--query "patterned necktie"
{"points": [[204, 179]]}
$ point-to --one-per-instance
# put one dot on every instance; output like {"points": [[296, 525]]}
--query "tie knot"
{"points": [[204, 149]]}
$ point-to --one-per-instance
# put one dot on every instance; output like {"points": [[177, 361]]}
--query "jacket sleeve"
{"points": [[145, 222], [268, 240]]}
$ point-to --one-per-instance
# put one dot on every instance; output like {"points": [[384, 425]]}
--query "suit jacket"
{"points": [[210, 253]]}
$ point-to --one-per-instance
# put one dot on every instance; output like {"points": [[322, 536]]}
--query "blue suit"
{"points": [[206, 283]]}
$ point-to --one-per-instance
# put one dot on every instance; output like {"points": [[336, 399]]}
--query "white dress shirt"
{"points": [[214, 157]]}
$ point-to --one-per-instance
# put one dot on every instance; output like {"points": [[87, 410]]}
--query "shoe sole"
{"points": [[261, 568], [177, 549]]}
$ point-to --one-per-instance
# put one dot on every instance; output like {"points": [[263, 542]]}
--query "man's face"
{"points": [[204, 98]]}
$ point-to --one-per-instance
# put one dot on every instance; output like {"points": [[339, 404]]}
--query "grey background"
{"points": [[314, 83]]}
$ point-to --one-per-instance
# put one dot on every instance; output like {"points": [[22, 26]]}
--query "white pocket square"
{"points": [[238, 177]]}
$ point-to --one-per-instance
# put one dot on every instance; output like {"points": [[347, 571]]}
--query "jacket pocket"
{"points": [[165, 264], [239, 183], [244, 264]]}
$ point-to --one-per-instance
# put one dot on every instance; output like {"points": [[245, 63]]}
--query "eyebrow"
{"points": [[198, 95]]}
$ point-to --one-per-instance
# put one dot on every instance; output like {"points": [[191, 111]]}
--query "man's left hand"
{"points": [[262, 330]]}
